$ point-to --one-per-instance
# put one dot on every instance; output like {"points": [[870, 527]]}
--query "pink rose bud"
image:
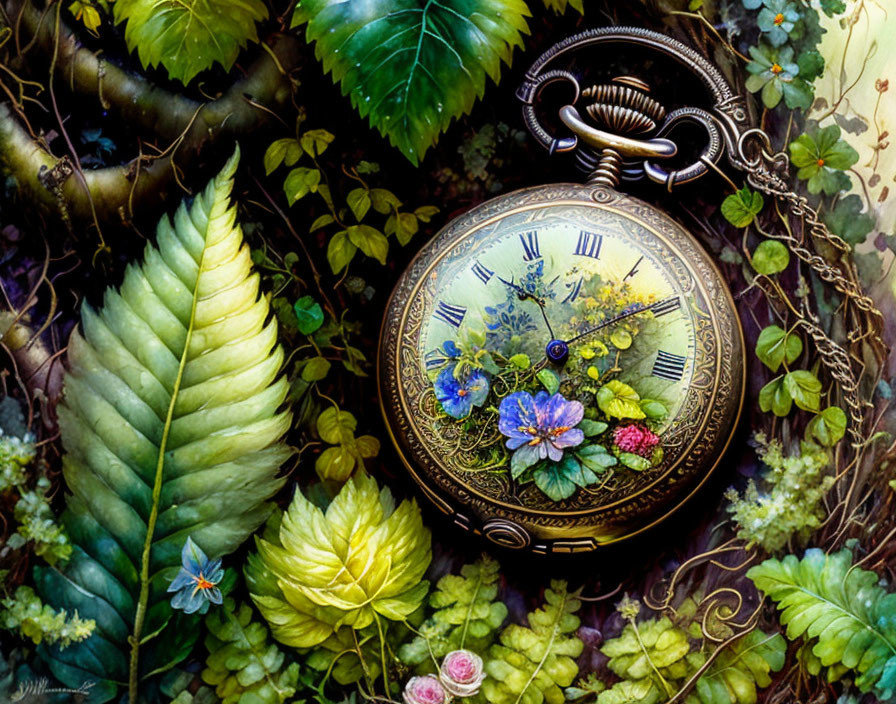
{"points": [[424, 690], [461, 673]]}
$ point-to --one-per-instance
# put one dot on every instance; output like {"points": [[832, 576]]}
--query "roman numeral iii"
{"points": [[482, 272], [669, 366], [588, 244], [453, 315], [531, 249], [664, 307]]}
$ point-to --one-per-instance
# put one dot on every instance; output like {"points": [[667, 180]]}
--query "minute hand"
{"points": [[621, 316]]}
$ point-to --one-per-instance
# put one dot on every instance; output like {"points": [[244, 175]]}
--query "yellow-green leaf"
{"points": [[618, 400], [340, 251], [370, 241]]}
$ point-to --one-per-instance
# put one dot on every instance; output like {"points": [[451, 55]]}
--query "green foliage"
{"points": [[412, 66], [654, 658], [170, 430], [362, 559], [26, 613], [742, 207], [828, 427], [531, 665], [559, 6], [618, 400], [847, 220], [466, 614], [189, 36], [348, 453], [770, 257], [242, 665], [822, 157], [790, 507], [37, 527], [843, 610], [360, 200], [309, 315], [775, 347], [800, 386], [774, 72]]}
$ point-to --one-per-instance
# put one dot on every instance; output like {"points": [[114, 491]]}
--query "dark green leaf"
{"points": [[410, 66], [833, 7], [848, 221], [552, 480], [811, 65], [309, 314]]}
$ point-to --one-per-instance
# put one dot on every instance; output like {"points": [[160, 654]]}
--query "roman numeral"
{"points": [[589, 244], [434, 359], [665, 307], [484, 274], [669, 366], [574, 290], [530, 245], [453, 315], [634, 269]]}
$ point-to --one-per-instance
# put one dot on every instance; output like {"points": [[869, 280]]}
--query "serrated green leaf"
{"points": [[242, 665], [171, 429], [770, 257], [466, 614], [741, 669], [804, 388], [829, 426], [776, 346], [190, 36], [843, 607], [283, 151], [412, 66], [370, 241], [742, 207], [532, 664], [361, 558]]}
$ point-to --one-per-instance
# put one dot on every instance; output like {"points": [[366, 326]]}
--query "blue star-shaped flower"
{"points": [[458, 396], [196, 583]]}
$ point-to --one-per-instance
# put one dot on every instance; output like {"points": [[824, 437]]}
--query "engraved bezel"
{"points": [[700, 435]]}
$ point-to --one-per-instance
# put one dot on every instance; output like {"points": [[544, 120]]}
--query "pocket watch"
{"points": [[562, 367]]}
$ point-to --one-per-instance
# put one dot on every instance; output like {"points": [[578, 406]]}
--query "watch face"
{"points": [[559, 364]]}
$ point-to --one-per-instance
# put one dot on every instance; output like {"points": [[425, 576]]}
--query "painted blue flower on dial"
{"points": [[539, 428], [458, 396], [196, 583]]}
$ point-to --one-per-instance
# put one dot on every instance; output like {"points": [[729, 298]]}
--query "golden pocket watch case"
{"points": [[562, 366]]}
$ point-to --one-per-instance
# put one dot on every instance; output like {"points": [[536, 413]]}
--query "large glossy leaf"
{"points": [[171, 425], [188, 36], [849, 616], [412, 66]]}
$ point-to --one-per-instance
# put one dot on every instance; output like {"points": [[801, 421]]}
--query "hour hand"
{"points": [[523, 294]]}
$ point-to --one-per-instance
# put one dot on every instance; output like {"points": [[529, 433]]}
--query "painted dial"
{"points": [[560, 362]]}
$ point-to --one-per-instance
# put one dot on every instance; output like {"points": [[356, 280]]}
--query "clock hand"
{"points": [[616, 319], [523, 294]]}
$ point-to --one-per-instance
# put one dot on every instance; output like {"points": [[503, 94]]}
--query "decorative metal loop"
{"points": [[710, 154], [529, 91]]}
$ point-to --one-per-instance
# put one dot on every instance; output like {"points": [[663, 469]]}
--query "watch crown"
{"points": [[624, 106]]}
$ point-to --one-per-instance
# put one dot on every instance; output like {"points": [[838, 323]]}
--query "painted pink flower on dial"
{"points": [[636, 439], [461, 673], [424, 690]]}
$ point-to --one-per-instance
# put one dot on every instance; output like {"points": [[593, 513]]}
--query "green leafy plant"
{"points": [[848, 220], [531, 664], [790, 507], [190, 36], [822, 158], [742, 207], [347, 454], [412, 66], [170, 430], [466, 614], [770, 257], [26, 613], [845, 613], [242, 665], [360, 560]]}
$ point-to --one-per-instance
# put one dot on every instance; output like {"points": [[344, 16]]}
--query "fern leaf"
{"points": [[466, 614], [531, 665], [412, 66], [171, 426], [189, 36], [852, 617], [241, 662], [740, 670]]}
